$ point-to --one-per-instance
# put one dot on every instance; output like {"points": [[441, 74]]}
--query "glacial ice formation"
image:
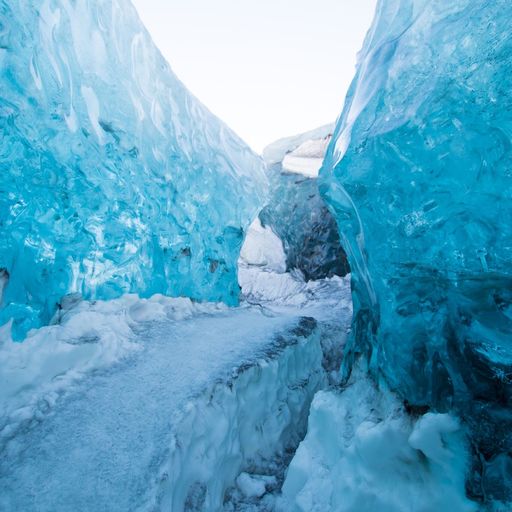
{"points": [[296, 213], [419, 178], [114, 177]]}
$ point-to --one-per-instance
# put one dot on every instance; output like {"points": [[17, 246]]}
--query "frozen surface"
{"points": [[307, 159], [262, 248], [307, 166], [275, 153], [419, 178], [364, 453], [137, 404], [88, 337], [296, 213], [107, 444], [114, 177]]}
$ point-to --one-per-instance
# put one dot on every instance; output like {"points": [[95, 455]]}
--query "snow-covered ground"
{"points": [[88, 337], [364, 453], [164, 403]]}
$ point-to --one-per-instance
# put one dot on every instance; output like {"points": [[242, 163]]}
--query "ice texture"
{"points": [[419, 177], [296, 213], [114, 178]]}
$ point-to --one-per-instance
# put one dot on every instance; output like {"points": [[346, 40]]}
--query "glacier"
{"points": [[132, 219], [418, 176], [114, 178]]}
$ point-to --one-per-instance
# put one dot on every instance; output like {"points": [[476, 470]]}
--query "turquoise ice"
{"points": [[113, 177], [419, 176]]}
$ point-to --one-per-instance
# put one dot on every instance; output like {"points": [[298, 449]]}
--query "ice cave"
{"points": [[188, 325]]}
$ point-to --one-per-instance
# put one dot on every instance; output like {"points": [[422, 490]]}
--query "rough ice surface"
{"points": [[363, 452], [419, 178], [114, 177], [296, 213]]}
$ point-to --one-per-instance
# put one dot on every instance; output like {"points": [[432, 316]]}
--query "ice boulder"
{"points": [[419, 178], [296, 212], [114, 178]]}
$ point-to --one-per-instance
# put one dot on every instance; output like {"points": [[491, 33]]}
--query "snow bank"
{"points": [[277, 290], [307, 159], [86, 337], [364, 453], [262, 248], [309, 167], [275, 153], [233, 431]]}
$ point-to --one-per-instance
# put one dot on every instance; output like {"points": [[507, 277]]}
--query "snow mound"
{"points": [[262, 248], [88, 337], [275, 153], [364, 453]]}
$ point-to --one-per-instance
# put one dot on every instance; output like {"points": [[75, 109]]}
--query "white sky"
{"points": [[268, 68]]}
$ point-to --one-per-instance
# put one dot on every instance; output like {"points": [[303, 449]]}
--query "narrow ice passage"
{"points": [[114, 437]]}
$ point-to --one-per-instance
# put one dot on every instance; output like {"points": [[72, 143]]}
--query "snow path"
{"points": [[104, 442]]}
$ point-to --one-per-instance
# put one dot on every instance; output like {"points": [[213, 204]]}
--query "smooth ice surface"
{"points": [[419, 178], [114, 177], [364, 453]]}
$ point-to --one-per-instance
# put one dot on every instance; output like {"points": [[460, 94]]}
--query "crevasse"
{"points": [[114, 178]]}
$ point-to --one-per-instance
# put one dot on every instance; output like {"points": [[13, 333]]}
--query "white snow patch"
{"points": [[274, 153], [281, 291], [364, 453], [263, 248], [251, 486], [307, 159], [88, 336], [309, 167]]}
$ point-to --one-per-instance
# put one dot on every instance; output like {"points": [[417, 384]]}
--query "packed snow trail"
{"points": [[103, 443], [103, 446]]}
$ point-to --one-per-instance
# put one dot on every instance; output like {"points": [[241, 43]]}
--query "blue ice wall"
{"points": [[113, 177], [419, 177]]}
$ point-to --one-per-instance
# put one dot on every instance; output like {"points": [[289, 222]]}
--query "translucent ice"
{"points": [[419, 176], [114, 178]]}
